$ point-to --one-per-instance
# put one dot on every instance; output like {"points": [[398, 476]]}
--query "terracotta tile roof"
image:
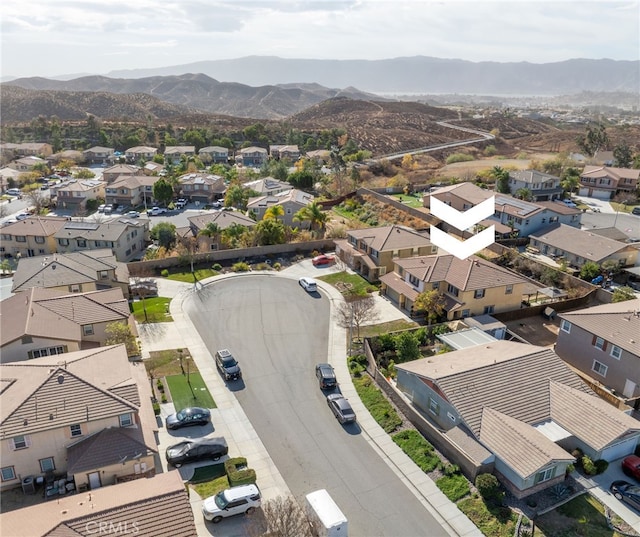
{"points": [[35, 226], [394, 237], [152, 507], [519, 445], [133, 181], [605, 171], [398, 284], [223, 219], [466, 191], [558, 207], [617, 323]]}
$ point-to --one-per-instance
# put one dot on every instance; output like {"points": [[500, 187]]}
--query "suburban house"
{"points": [[26, 164], [98, 155], [470, 287], [152, 168], [126, 237], [321, 156], [26, 149], [72, 155], [131, 190], [267, 186], [202, 187], [174, 153], [30, 237], [214, 154], [222, 220], [111, 174], [154, 507], [371, 251], [576, 246], [7, 173], [140, 153], [603, 343], [79, 423], [45, 322], [461, 196], [291, 201], [252, 156], [284, 152], [73, 194], [543, 186], [523, 405], [603, 182], [76, 272]]}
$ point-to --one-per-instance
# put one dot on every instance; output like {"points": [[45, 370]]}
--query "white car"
{"points": [[14, 192], [308, 284], [155, 211], [232, 501]]}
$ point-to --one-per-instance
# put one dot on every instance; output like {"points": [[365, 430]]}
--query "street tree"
{"points": [[283, 517], [164, 233], [37, 199], [432, 303], [120, 333], [355, 311], [163, 191]]}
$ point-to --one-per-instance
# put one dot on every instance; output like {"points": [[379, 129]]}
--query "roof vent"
{"points": [[60, 379]]}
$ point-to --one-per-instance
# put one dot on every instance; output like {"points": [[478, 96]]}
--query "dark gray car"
{"points": [[187, 417], [228, 365], [196, 450], [326, 376], [341, 408]]}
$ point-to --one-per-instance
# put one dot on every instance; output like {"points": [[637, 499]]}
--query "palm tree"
{"points": [[231, 236], [211, 231], [313, 214], [273, 212]]}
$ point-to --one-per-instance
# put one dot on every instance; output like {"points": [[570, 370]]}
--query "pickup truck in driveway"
{"points": [[156, 211]]}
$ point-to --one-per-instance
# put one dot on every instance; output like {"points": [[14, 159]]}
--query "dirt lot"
{"points": [[466, 170], [536, 330]]}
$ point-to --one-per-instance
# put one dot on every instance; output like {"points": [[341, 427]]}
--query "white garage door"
{"points": [[601, 194], [618, 451], [584, 192]]}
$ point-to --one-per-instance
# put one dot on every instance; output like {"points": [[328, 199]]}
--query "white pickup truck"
{"points": [[156, 211]]}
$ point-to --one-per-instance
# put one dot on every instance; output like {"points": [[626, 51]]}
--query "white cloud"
{"points": [[44, 38]]}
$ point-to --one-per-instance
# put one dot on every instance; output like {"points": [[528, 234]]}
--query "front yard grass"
{"points": [[157, 310], [418, 449], [373, 330], [187, 276], [377, 404], [168, 362], [349, 284], [209, 488], [192, 392], [492, 521], [455, 487]]}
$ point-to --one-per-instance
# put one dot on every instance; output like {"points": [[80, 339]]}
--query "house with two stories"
{"points": [[154, 507], [371, 251], [174, 153], [214, 154], [47, 322], [27, 149], [252, 157], [518, 408], [603, 344], [140, 153], [202, 187], [26, 164], [461, 196], [267, 186], [543, 186], [118, 170], [98, 155], [284, 152], [291, 201], [77, 272], [31, 237], [131, 190], [125, 237], [604, 182], [470, 287], [82, 421], [577, 246], [222, 220], [73, 194]]}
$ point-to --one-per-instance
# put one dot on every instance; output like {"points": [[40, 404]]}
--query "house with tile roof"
{"points": [[85, 417], [174, 153], [603, 344], [291, 201], [284, 152], [140, 153], [461, 196], [214, 154], [153, 507], [222, 220], [604, 182], [43, 322], [31, 149], [522, 405], [76, 272], [470, 287], [73, 194], [126, 237], [202, 187], [35, 235], [131, 190], [371, 252], [543, 186], [26, 164], [113, 172], [252, 156], [267, 186], [577, 246], [98, 155]]}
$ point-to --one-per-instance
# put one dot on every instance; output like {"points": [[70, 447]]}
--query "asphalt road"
{"points": [[627, 223], [278, 333]]}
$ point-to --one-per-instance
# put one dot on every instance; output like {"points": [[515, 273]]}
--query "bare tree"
{"points": [[142, 285], [36, 198], [356, 311], [283, 517]]}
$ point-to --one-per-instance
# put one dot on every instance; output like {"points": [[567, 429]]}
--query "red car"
{"points": [[631, 466], [322, 260]]}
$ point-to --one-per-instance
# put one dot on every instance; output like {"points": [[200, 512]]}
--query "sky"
{"points": [[60, 37]]}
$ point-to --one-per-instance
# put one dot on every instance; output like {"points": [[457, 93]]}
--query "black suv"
{"points": [[326, 376], [227, 365]]}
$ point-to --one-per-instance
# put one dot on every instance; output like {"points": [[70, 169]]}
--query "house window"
{"points": [[466, 313], [21, 238], [616, 352], [545, 475], [599, 343], [50, 351], [87, 329], [488, 310], [374, 253], [413, 280], [435, 286], [565, 326], [452, 290], [76, 430], [75, 288], [8, 473], [39, 240], [479, 293], [599, 368], [125, 420], [6, 237], [47, 465], [82, 243], [104, 274], [63, 242], [434, 407], [20, 442]]}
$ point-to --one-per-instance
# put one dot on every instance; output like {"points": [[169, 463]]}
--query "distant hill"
{"points": [[196, 92], [419, 74]]}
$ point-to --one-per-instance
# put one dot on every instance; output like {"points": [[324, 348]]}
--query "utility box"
{"points": [[29, 485], [326, 518]]}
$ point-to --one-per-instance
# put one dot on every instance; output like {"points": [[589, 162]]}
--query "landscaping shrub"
{"points": [[577, 453], [164, 273], [417, 448], [277, 266], [601, 466], [454, 487], [458, 157], [238, 472], [156, 409], [217, 267], [240, 266], [588, 466], [489, 488], [376, 403]]}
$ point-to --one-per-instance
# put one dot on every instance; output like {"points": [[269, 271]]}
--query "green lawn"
{"points": [[410, 200], [420, 451], [157, 310], [185, 395], [349, 283], [494, 521], [187, 277], [210, 488], [377, 404]]}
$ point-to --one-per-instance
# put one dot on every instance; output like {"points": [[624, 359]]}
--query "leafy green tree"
{"points": [[84, 173], [622, 155], [120, 333], [524, 194], [232, 235], [589, 271], [163, 191], [570, 180], [622, 294], [407, 346], [195, 138], [302, 179], [5, 266], [313, 214], [164, 233], [432, 303], [501, 177], [594, 139], [211, 230], [269, 232]]}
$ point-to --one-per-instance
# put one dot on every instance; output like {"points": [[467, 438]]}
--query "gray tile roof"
{"points": [[35, 226], [94, 231], [466, 191], [532, 176], [394, 237], [223, 219]]}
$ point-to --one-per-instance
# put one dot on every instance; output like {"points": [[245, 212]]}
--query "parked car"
{"points": [[631, 466], [14, 192], [22, 216], [569, 203], [187, 417], [196, 450], [322, 259], [597, 280], [626, 492], [144, 288], [341, 408], [636, 211], [156, 211], [238, 500], [101, 208], [308, 284], [227, 365], [181, 203], [326, 376], [133, 214]]}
